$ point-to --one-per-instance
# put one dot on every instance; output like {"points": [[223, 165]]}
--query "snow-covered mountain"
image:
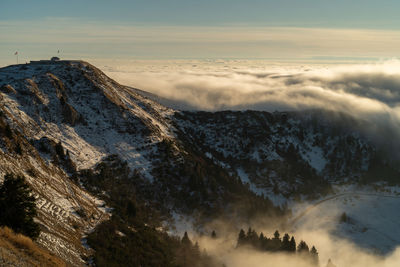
{"points": [[60, 119], [75, 105], [290, 153]]}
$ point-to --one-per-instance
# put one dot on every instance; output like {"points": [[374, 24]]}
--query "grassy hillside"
{"points": [[19, 250]]}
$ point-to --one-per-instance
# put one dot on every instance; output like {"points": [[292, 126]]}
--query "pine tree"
{"points": [[285, 243], [292, 246], [186, 249], [242, 238], [17, 206], [344, 218], [60, 150], [330, 263], [276, 241], [196, 251], [8, 131], [214, 234], [276, 235], [185, 240], [303, 247], [252, 237], [18, 149], [314, 256], [261, 239]]}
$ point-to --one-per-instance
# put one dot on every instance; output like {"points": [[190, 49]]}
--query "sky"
{"points": [[285, 30]]}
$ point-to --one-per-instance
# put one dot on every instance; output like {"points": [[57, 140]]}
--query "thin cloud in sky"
{"points": [[115, 40]]}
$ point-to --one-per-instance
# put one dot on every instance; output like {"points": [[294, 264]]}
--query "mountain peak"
{"points": [[73, 107]]}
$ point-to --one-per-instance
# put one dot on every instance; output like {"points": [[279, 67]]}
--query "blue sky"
{"points": [[159, 29], [308, 13]]}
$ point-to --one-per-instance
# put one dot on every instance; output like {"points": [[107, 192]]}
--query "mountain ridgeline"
{"points": [[292, 153], [90, 147]]}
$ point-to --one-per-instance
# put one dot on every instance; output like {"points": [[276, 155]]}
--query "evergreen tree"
{"points": [[276, 241], [276, 244], [314, 256], [277, 235], [17, 206], [8, 131], [330, 264], [261, 240], [185, 240], [242, 238], [60, 150], [196, 250], [214, 234], [292, 245], [186, 249], [18, 149], [252, 236], [302, 247], [344, 218], [285, 243]]}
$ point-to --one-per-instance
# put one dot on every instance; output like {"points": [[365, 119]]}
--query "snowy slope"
{"points": [[371, 221], [112, 114], [299, 152], [92, 117]]}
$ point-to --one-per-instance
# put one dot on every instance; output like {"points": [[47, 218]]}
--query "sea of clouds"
{"points": [[259, 85], [370, 92]]}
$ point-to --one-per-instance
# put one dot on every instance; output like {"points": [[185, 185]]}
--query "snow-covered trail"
{"points": [[351, 194], [372, 219]]}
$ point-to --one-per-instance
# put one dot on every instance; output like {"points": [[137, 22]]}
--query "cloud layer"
{"points": [[372, 89], [369, 92]]}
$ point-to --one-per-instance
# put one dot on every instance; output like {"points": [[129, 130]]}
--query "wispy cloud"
{"points": [[101, 39]]}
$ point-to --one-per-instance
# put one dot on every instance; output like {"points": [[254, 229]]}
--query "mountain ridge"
{"points": [[64, 125]]}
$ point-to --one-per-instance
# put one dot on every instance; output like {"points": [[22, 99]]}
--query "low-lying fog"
{"points": [[368, 238]]}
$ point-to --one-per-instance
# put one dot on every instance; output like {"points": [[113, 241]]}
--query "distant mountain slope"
{"points": [[290, 152]]}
